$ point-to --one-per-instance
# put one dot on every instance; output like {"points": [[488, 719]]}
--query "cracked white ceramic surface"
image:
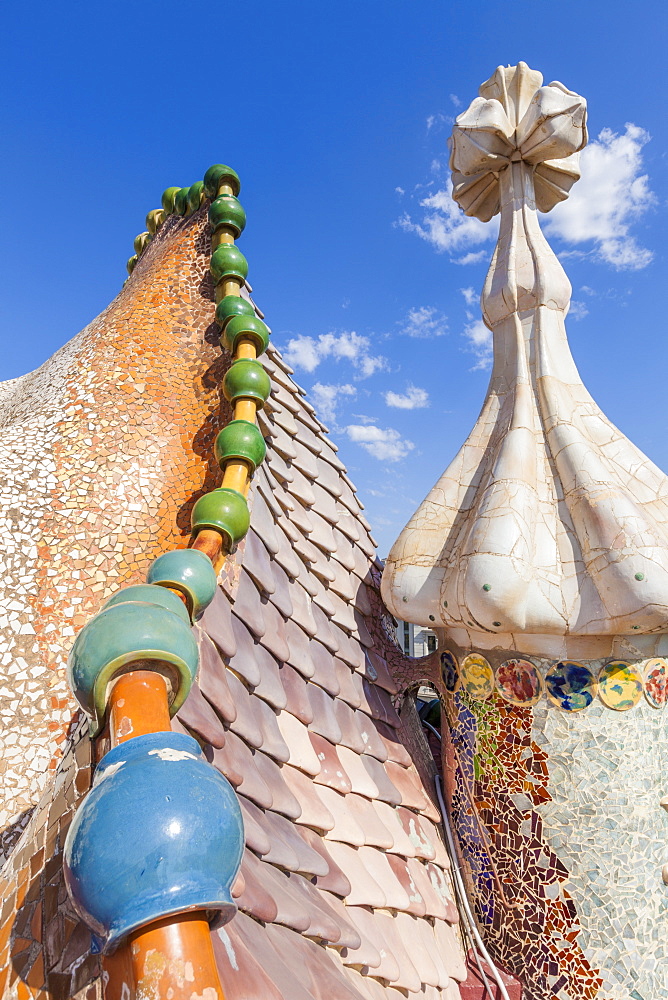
{"points": [[549, 530]]}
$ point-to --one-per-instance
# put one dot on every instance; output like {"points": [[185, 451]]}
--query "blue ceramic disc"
{"points": [[570, 685]]}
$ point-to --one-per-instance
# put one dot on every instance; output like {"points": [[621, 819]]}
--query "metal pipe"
{"points": [[459, 886]]}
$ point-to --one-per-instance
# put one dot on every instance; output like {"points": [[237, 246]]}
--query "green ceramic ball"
{"points": [[246, 379], [240, 440], [222, 510]]}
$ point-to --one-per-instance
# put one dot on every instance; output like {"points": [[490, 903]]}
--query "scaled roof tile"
{"points": [[371, 930], [212, 679], [303, 724], [296, 698], [241, 974], [332, 772], [408, 978], [350, 683], [364, 890], [217, 623], [314, 813], [324, 720], [296, 735], [248, 606], [282, 799], [280, 596], [324, 669], [198, 716], [245, 725], [244, 661], [256, 835], [257, 563], [345, 828], [270, 686], [274, 638]]}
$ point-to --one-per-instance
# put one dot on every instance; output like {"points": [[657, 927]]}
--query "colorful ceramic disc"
{"points": [[449, 671], [656, 682], [477, 677], [619, 685], [570, 685], [519, 682]]}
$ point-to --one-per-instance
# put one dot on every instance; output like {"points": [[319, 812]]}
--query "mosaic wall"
{"points": [[555, 791]]}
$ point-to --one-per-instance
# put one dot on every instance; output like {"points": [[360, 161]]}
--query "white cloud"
{"points": [[326, 399], [472, 257], [413, 399], [578, 310], [425, 321], [308, 352], [383, 443], [609, 197], [439, 120], [399, 190], [470, 295], [480, 343], [457, 101], [445, 226]]}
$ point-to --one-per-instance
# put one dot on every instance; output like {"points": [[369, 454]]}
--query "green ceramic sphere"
{"points": [[168, 196], [141, 242], [232, 305], [127, 633], [188, 571], [240, 441], [195, 196], [132, 261], [246, 379], [222, 510], [228, 262], [154, 220], [150, 595], [215, 176], [227, 211], [245, 326], [181, 201]]}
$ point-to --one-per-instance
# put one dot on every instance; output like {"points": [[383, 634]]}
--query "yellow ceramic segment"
{"points": [[245, 409], [246, 348], [236, 477], [228, 286], [222, 235]]}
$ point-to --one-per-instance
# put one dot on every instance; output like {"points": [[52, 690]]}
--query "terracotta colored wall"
{"points": [[123, 418]]}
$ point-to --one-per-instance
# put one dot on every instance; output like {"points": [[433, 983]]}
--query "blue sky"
{"points": [[336, 117]]}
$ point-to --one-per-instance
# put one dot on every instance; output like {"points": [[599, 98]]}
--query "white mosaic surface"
{"points": [[30, 415], [607, 775]]}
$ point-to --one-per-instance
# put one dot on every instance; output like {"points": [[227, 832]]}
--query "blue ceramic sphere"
{"points": [[122, 634], [188, 571], [159, 833]]}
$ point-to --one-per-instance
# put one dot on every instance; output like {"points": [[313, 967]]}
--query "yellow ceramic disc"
{"points": [[477, 677], [620, 685]]}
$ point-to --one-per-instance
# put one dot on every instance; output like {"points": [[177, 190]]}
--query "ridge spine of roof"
{"points": [[132, 666]]}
